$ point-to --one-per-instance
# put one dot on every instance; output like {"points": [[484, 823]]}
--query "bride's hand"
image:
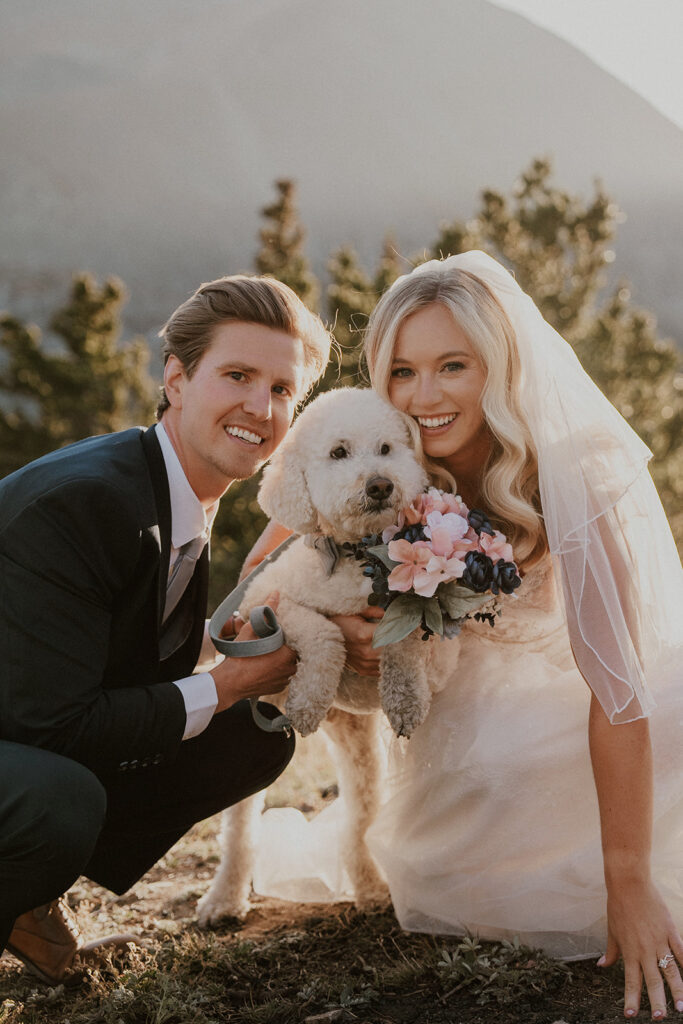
{"points": [[358, 632], [642, 932]]}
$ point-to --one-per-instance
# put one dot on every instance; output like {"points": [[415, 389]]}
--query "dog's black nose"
{"points": [[378, 488]]}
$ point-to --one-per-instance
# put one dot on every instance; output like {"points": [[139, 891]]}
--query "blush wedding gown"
{"points": [[489, 824]]}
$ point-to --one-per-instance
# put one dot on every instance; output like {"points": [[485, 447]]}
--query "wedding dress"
{"points": [[490, 822], [492, 827]]}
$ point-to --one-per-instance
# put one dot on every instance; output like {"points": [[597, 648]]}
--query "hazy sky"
{"points": [[638, 41]]}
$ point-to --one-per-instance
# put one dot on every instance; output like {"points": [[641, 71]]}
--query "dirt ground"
{"points": [[290, 962], [337, 939]]}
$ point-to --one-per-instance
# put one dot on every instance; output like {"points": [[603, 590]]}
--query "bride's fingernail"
{"points": [[630, 1013], [601, 961], [679, 1005]]}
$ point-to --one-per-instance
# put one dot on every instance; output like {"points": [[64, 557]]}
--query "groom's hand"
{"points": [[231, 627], [262, 674], [358, 632]]}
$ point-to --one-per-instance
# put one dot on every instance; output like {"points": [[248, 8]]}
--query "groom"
{"points": [[110, 748]]}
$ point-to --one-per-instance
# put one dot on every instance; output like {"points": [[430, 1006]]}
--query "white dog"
{"points": [[344, 471]]}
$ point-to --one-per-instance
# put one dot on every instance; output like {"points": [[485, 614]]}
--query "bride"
{"points": [[494, 822]]}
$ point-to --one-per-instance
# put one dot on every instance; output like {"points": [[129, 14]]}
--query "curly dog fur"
{"points": [[345, 469]]}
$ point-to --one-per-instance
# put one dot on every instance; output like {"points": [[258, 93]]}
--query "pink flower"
{"points": [[496, 547], [413, 559], [433, 501], [445, 531], [413, 514], [421, 508], [389, 532], [470, 542], [454, 503], [438, 570]]}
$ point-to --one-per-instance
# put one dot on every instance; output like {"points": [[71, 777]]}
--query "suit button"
{"points": [[157, 759], [123, 767]]}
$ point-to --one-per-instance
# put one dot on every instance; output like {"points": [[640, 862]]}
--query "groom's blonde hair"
{"points": [[243, 298]]}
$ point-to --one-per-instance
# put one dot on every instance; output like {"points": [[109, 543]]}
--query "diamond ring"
{"points": [[666, 961]]}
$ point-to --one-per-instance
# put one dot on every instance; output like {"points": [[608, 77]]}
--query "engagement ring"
{"points": [[666, 960]]}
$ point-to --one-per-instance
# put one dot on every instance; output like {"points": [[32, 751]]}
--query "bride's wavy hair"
{"points": [[510, 488]]}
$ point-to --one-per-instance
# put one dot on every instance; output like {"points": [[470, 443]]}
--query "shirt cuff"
{"points": [[201, 700]]}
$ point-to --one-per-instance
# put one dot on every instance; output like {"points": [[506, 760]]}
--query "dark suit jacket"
{"points": [[84, 553]]}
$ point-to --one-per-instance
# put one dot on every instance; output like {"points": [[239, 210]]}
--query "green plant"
{"points": [[498, 972]]}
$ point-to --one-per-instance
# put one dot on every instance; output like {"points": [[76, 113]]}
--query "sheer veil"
{"points": [[611, 543]]}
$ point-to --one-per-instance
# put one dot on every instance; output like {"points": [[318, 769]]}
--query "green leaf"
{"points": [[403, 615], [381, 551], [456, 600], [433, 616]]}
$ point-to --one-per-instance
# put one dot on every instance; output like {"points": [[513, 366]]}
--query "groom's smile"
{"points": [[245, 435], [230, 415]]}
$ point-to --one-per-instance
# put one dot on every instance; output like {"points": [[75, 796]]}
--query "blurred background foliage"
{"points": [[84, 382], [557, 244]]}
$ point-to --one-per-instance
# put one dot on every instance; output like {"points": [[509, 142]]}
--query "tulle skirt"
{"points": [[492, 827], [489, 824]]}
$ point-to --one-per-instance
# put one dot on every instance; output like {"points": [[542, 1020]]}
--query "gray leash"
{"points": [[269, 635]]}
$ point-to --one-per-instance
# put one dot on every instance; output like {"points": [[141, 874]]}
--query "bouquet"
{"points": [[439, 565]]}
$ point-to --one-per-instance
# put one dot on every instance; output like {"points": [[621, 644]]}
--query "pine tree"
{"points": [[89, 384], [282, 246], [640, 373], [557, 245], [391, 265], [351, 296]]}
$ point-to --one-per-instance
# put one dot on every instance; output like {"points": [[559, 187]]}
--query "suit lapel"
{"points": [[157, 472], [186, 624]]}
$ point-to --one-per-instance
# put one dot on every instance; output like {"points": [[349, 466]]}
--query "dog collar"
{"points": [[329, 551]]}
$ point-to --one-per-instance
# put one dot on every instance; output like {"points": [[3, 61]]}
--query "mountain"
{"points": [[142, 139]]}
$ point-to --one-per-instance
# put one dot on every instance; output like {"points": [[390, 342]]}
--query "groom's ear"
{"points": [[283, 494], [174, 377]]}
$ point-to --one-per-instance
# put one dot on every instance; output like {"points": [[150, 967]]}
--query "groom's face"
{"points": [[232, 413]]}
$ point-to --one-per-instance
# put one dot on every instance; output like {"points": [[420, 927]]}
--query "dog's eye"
{"points": [[385, 449], [339, 453]]}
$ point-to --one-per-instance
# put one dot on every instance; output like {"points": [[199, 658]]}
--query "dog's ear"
{"points": [[283, 494]]}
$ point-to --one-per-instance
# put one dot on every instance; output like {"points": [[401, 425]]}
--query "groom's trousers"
{"points": [[59, 821]]}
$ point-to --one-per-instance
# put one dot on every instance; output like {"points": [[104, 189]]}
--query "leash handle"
{"points": [[269, 635], [263, 620]]}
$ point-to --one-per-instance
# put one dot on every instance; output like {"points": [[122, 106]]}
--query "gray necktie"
{"points": [[182, 573]]}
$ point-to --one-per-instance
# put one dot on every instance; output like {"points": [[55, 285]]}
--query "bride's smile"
{"points": [[433, 424], [438, 379]]}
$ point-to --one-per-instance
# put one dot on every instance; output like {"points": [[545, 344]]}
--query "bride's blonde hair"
{"points": [[510, 489]]}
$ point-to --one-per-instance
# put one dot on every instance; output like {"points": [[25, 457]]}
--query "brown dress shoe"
{"points": [[47, 939]]}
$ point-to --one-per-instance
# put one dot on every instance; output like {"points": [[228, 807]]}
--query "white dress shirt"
{"points": [[189, 519]]}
